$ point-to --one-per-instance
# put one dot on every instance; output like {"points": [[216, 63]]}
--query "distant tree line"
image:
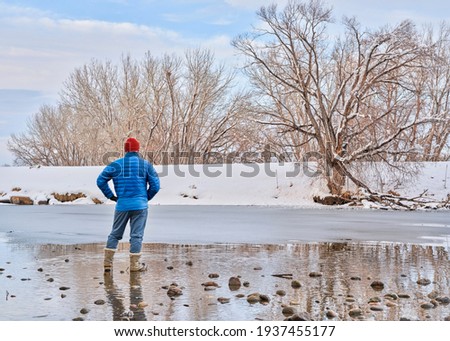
{"points": [[363, 97]]}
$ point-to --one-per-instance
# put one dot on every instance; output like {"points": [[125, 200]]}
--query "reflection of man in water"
{"points": [[136, 297], [135, 183], [116, 298]]}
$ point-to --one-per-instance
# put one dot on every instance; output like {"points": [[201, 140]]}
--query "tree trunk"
{"points": [[335, 179]]}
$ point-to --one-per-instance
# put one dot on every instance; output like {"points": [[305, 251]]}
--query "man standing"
{"points": [[135, 183]]}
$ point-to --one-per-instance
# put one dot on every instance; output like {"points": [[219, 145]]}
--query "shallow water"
{"points": [[30, 295]]}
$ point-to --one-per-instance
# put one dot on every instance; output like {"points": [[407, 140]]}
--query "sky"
{"points": [[43, 41]]}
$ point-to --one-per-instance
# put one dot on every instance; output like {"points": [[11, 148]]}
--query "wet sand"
{"points": [[320, 281]]}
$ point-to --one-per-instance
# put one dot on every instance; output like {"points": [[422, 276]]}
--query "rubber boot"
{"points": [[135, 263], [108, 261]]}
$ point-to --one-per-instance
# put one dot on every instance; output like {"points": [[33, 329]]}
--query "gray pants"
{"points": [[137, 219]]}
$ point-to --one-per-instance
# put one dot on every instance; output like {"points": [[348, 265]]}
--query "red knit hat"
{"points": [[132, 145]]}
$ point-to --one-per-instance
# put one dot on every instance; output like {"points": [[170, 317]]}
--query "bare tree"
{"points": [[432, 95], [51, 140], [350, 97], [185, 103]]}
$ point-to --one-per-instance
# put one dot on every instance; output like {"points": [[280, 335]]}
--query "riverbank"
{"points": [[270, 184]]}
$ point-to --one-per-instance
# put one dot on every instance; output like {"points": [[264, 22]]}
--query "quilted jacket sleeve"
{"points": [[102, 181], [153, 182]]}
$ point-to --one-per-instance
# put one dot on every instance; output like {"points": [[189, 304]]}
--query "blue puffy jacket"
{"points": [[135, 182]]}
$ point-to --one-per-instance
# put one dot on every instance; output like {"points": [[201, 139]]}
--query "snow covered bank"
{"points": [[236, 184]]}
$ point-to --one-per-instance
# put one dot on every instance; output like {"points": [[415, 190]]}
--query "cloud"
{"points": [[7, 10], [40, 52], [377, 13], [253, 5]]}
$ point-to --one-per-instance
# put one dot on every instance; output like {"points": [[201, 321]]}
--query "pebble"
{"points": [[403, 295], [315, 274], [40, 269], [66, 260], [99, 302], [213, 275], [296, 284], [264, 298], [189, 263], [281, 293], [234, 283], [253, 298], [331, 314], [375, 299], [174, 291], [210, 288], [300, 317], [423, 281], [377, 285], [223, 300], [257, 268], [447, 318], [210, 284], [427, 306], [391, 296], [433, 294], [391, 304], [355, 312], [355, 278], [434, 303], [376, 307], [63, 295], [443, 299], [240, 295], [84, 311], [64, 288], [170, 268], [246, 284], [25, 279], [289, 311], [78, 319]]}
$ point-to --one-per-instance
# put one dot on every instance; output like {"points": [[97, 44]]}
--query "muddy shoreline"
{"points": [[319, 281]]}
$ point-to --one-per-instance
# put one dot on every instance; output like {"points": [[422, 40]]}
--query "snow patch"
{"points": [[231, 184]]}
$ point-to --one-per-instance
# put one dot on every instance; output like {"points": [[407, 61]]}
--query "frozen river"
{"points": [[335, 254], [71, 224]]}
